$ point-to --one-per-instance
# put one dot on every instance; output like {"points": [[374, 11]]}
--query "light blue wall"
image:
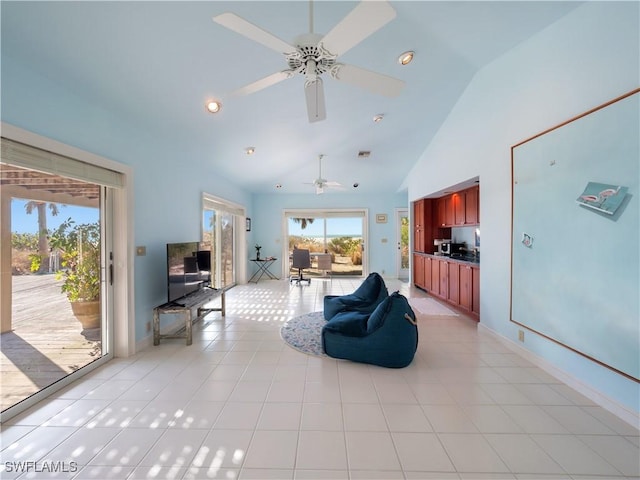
{"points": [[169, 178], [584, 60], [268, 212]]}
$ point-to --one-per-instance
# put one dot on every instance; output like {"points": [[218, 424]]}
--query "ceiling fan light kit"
{"points": [[314, 55]]}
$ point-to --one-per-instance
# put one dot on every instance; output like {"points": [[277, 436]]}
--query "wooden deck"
{"points": [[46, 343]]}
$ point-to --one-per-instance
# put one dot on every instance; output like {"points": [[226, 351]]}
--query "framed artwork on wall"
{"points": [[381, 218]]}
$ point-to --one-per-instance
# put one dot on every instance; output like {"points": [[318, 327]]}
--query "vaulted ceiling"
{"points": [[157, 63]]}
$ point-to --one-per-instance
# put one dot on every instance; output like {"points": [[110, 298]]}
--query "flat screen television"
{"points": [[188, 270]]}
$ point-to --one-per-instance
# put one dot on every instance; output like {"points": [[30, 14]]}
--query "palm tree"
{"points": [[43, 241], [303, 222]]}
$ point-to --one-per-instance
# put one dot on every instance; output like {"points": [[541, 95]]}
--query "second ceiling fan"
{"points": [[321, 184], [313, 55]]}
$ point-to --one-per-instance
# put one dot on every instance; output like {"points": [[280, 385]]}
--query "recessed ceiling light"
{"points": [[405, 58], [250, 150], [378, 118], [213, 106]]}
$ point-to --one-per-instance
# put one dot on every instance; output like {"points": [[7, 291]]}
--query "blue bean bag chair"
{"points": [[388, 337], [365, 299]]}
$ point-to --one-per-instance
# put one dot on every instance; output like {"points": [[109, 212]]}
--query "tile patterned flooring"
{"points": [[239, 403]]}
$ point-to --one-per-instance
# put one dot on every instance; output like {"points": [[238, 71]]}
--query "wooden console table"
{"points": [[184, 306]]}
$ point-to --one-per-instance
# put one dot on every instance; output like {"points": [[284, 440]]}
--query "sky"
{"points": [[21, 222], [347, 227]]}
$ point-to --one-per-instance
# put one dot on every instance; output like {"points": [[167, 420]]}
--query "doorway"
{"points": [[222, 233], [402, 240], [56, 298]]}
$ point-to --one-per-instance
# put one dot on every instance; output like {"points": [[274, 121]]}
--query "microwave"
{"points": [[448, 248]]}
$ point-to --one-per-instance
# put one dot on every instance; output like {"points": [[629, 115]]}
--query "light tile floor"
{"points": [[239, 403]]}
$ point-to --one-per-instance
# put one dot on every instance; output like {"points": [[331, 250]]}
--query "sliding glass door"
{"points": [[338, 233], [56, 293], [219, 234]]}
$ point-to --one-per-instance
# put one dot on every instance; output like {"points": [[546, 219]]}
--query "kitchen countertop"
{"points": [[463, 258]]}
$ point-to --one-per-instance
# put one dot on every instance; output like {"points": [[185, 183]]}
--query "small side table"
{"points": [[195, 300], [263, 269]]}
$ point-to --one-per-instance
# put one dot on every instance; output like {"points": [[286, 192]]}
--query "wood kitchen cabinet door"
{"points": [[453, 283], [441, 217], [418, 226], [435, 276], [444, 279], [428, 267], [445, 214], [471, 208], [448, 211], [466, 279], [418, 271], [475, 291], [459, 208]]}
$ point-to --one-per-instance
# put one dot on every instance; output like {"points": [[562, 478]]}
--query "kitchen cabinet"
{"points": [[472, 206], [445, 214], [444, 279], [453, 282], [418, 271], [466, 279], [459, 208], [475, 292], [458, 283], [435, 277], [470, 289], [418, 226], [428, 268], [423, 225], [466, 207]]}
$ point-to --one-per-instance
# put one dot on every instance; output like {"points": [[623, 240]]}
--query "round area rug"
{"points": [[304, 333]]}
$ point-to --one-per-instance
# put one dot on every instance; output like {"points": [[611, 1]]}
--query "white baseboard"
{"points": [[608, 403], [144, 343]]}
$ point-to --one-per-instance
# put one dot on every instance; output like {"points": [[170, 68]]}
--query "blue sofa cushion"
{"points": [[390, 338], [365, 299], [349, 323]]}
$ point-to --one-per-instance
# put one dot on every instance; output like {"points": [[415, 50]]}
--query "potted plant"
{"points": [[79, 246]]}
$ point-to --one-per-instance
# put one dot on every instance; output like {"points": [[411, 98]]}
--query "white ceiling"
{"points": [[158, 62]]}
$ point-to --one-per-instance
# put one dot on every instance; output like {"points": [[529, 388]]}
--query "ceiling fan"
{"points": [[322, 183], [312, 55]]}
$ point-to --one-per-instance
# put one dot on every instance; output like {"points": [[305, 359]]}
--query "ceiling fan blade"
{"points": [[372, 81], [255, 33], [264, 83], [362, 21], [314, 92]]}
